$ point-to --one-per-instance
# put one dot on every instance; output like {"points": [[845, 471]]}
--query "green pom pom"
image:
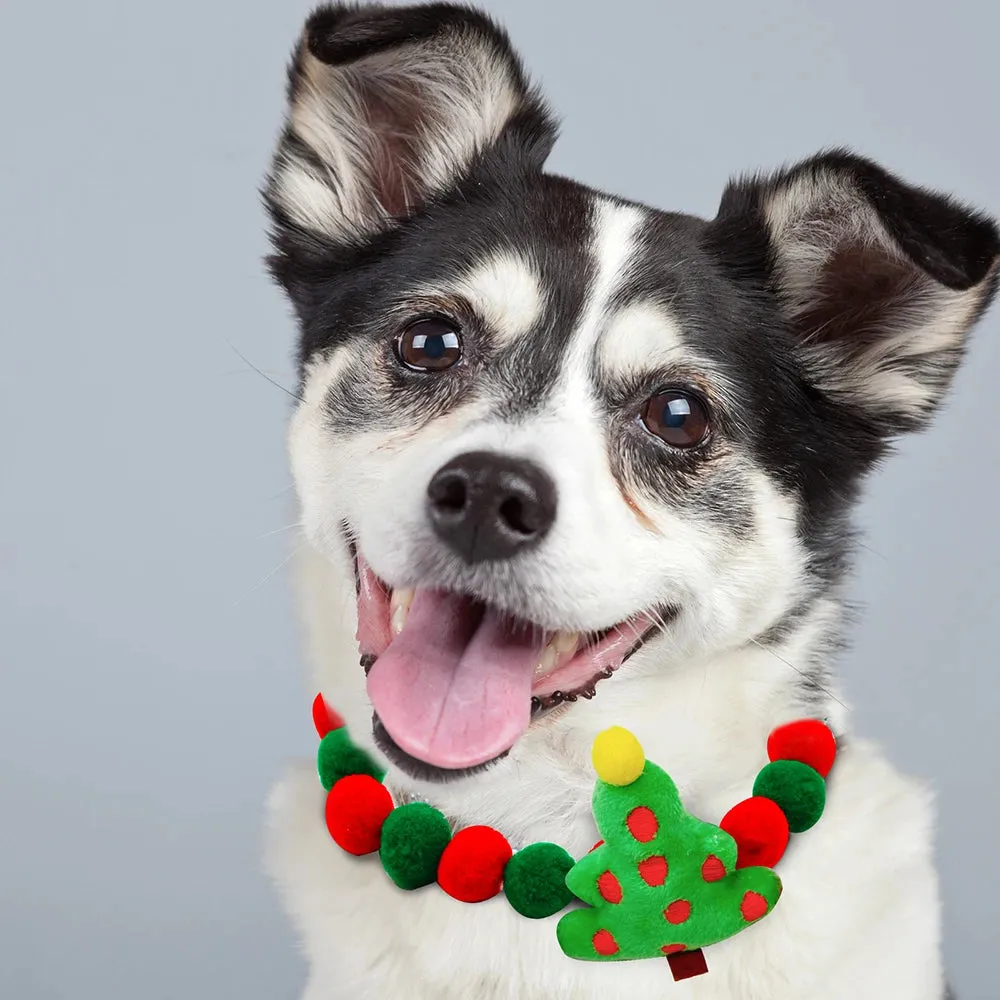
{"points": [[414, 837], [535, 880], [798, 789], [338, 757]]}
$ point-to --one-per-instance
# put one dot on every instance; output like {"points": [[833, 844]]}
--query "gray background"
{"points": [[151, 688]]}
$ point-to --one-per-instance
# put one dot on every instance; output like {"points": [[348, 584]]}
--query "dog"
{"points": [[566, 462]]}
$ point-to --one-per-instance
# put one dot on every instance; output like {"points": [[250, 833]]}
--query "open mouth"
{"points": [[455, 682]]}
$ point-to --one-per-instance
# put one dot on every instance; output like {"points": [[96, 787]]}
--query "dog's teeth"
{"points": [[546, 661], [399, 608], [556, 652], [566, 642]]}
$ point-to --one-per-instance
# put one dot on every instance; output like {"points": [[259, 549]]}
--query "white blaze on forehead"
{"points": [[640, 337], [614, 245], [506, 291]]}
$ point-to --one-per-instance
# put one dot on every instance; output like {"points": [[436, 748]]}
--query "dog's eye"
{"points": [[679, 418], [429, 345]]}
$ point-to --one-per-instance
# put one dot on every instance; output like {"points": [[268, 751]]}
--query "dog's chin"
{"points": [[455, 682]]}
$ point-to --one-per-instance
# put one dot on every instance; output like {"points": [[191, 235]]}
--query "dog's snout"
{"points": [[487, 506]]}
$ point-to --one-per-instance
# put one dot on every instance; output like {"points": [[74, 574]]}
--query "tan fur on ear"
{"points": [[370, 140], [881, 281], [871, 320]]}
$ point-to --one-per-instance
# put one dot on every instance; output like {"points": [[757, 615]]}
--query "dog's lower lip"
{"points": [[417, 768]]}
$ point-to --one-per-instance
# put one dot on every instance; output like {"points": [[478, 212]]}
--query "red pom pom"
{"points": [[808, 741], [325, 719], [760, 830], [471, 868], [356, 808]]}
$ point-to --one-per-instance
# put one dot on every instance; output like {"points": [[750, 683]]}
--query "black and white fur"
{"points": [[820, 314]]}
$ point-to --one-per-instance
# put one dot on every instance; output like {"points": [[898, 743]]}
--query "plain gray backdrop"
{"points": [[151, 684]]}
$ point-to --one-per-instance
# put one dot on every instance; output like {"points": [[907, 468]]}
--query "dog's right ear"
{"points": [[879, 281], [389, 107]]}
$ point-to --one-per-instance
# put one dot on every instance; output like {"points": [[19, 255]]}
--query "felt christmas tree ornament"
{"points": [[663, 882]]}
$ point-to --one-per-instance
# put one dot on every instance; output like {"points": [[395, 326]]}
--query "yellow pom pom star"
{"points": [[617, 756]]}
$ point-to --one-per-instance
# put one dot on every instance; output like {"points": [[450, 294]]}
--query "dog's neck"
{"points": [[705, 720]]}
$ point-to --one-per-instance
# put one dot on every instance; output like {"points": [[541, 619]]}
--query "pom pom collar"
{"points": [[657, 873]]}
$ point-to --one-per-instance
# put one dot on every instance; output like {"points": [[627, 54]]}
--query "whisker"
{"points": [[874, 552], [263, 374], [278, 531], [247, 371], [277, 569], [801, 673], [658, 620]]}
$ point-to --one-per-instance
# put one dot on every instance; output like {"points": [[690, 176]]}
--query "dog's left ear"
{"points": [[879, 281], [389, 107]]}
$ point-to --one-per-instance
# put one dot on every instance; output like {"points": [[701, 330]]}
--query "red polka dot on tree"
{"points": [[609, 887], [642, 824], [604, 943], [753, 907], [713, 870], [653, 871]]}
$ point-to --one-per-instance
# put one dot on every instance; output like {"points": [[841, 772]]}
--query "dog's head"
{"points": [[552, 425]]}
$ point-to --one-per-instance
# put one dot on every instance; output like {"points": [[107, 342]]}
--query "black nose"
{"points": [[487, 506]]}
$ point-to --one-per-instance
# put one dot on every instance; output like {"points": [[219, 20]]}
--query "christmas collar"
{"points": [[660, 882]]}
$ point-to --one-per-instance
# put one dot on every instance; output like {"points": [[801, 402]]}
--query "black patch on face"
{"points": [[705, 482], [545, 220]]}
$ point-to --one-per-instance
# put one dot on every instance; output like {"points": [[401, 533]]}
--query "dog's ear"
{"points": [[389, 107], [879, 281]]}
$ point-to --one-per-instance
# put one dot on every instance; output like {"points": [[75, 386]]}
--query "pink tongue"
{"points": [[454, 687]]}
